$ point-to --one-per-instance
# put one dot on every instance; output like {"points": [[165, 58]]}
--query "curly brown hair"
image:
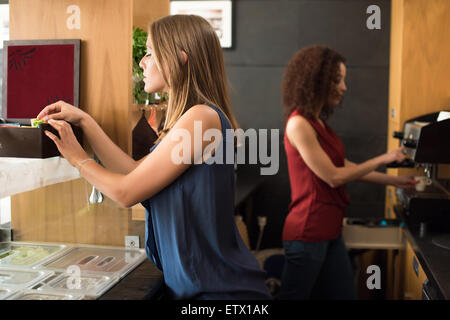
{"points": [[310, 77]]}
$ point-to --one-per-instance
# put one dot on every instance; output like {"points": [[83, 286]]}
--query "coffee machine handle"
{"points": [[410, 143], [407, 163], [398, 134]]}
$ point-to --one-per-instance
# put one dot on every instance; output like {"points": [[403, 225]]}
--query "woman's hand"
{"points": [[394, 155], [404, 182], [67, 143], [63, 111]]}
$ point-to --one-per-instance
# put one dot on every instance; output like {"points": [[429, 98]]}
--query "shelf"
{"points": [[19, 175]]}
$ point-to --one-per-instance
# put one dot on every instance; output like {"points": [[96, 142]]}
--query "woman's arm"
{"points": [[406, 181], [111, 156], [303, 137], [373, 177], [154, 173]]}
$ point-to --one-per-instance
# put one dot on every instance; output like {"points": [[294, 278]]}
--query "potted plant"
{"points": [[156, 101], [139, 50], [140, 97]]}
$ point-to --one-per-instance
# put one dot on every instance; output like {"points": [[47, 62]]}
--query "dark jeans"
{"points": [[317, 270]]}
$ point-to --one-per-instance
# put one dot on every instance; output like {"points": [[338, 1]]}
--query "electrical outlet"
{"points": [[132, 241]]}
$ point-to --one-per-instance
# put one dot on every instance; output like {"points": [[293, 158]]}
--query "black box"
{"points": [[36, 73]]}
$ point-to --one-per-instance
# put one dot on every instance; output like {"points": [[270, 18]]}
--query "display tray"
{"points": [[27, 255], [91, 285], [21, 142], [22, 278], [32, 294], [6, 292], [112, 260]]}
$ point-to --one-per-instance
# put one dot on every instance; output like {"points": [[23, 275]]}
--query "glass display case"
{"points": [[53, 271], [44, 295], [89, 284], [116, 262], [11, 278], [5, 293], [26, 255]]}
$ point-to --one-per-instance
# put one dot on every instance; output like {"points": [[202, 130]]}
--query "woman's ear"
{"points": [[184, 57]]}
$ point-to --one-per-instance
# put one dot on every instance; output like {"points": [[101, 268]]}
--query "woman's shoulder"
{"points": [[298, 127], [201, 112], [297, 122]]}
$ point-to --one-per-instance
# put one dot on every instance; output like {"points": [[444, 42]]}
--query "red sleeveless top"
{"points": [[316, 210]]}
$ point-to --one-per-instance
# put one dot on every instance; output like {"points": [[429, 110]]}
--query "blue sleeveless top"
{"points": [[191, 234]]}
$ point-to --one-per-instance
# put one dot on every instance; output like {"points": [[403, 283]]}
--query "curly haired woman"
{"points": [[317, 264]]}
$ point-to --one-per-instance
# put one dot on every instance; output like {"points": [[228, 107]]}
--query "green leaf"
{"points": [[139, 51]]}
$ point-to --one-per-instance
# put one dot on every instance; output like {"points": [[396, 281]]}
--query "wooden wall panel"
{"points": [[413, 281], [146, 11], [105, 87], [395, 70], [444, 171], [425, 80], [419, 64], [59, 213]]}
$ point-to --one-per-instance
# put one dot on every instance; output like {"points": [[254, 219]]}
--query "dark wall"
{"points": [[266, 34]]}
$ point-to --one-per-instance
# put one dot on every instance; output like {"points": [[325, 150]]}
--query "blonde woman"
{"points": [[190, 230]]}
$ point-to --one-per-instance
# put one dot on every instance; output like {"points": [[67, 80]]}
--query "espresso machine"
{"points": [[427, 144]]}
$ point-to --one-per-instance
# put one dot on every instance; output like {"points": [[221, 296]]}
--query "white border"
{"points": [[193, 6]]}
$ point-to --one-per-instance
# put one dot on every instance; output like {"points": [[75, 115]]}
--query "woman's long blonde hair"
{"points": [[201, 79]]}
